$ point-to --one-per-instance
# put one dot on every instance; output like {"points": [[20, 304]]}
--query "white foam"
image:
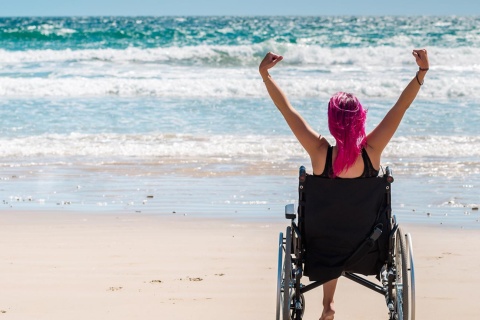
{"points": [[237, 84], [429, 156], [240, 148], [231, 71], [250, 55]]}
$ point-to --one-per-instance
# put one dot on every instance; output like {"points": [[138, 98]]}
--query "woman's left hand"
{"points": [[270, 60]]}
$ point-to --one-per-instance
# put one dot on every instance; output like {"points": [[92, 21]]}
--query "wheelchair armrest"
{"points": [[290, 211]]}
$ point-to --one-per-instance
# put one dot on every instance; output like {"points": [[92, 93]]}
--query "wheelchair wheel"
{"points": [[412, 276], [279, 275], [298, 309], [287, 277], [284, 277], [401, 288]]}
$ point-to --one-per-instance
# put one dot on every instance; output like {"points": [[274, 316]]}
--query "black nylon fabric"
{"points": [[339, 214]]}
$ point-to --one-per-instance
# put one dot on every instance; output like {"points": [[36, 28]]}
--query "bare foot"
{"points": [[328, 313]]}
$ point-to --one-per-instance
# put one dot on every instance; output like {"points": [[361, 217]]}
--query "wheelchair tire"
{"points": [[412, 276], [297, 314], [401, 289], [287, 276], [279, 275]]}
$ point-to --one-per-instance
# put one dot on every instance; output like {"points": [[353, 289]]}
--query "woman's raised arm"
{"points": [[380, 136], [307, 137]]}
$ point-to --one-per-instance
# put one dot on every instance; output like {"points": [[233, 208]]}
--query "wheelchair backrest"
{"points": [[336, 215]]}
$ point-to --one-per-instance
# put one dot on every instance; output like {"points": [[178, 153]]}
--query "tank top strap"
{"points": [[328, 170], [368, 169]]}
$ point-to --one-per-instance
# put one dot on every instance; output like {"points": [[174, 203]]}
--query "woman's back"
{"points": [[363, 167]]}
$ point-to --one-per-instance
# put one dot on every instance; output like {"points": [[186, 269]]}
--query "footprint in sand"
{"points": [[156, 281], [194, 279], [114, 288]]}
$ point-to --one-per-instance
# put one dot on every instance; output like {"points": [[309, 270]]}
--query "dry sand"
{"points": [[105, 266]]}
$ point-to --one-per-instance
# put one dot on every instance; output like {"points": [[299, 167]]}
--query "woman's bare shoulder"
{"points": [[323, 144]]}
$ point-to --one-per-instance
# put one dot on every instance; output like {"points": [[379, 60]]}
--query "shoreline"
{"points": [[435, 200], [106, 266]]}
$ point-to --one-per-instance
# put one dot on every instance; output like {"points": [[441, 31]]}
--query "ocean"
{"points": [[168, 115]]}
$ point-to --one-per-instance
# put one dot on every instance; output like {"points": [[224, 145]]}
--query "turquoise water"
{"points": [[102, 113], [37, 33]]}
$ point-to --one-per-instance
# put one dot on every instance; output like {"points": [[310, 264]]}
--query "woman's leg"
{"points": [[328, 303]]}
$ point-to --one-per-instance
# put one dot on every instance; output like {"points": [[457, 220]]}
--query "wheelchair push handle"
{"points": [[388, 174], [302, 174]]}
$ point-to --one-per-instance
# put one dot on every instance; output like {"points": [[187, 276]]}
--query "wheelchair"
{"points": [[345, 227]]}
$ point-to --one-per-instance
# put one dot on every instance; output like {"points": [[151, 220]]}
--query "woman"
{"points": [[355, 155]]}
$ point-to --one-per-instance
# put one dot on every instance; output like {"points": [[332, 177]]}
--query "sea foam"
{"points": [[231, 71]]}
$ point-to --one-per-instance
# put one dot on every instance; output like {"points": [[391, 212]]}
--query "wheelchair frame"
{"points": [[397, 276]]}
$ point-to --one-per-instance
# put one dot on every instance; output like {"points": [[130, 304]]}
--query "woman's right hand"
{"points": [[270, 60], [421, 58]]}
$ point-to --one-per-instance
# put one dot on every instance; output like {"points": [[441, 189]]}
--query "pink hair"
{"points": [[346, 121]]}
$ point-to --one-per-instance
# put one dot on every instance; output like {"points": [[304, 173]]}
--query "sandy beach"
{"points": [[106, 266]]}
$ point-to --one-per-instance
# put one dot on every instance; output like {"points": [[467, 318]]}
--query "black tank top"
{"points": [[368, 169]]}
